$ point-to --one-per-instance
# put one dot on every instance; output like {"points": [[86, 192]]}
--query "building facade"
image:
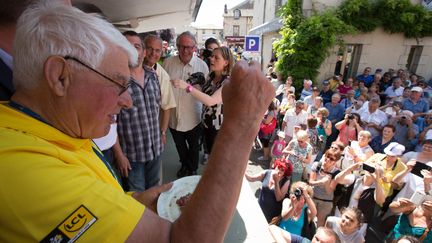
{"points": [[204, 32], [377, 49], [237, 23]]}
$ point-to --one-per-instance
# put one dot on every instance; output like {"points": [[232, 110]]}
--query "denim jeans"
{"points": [[144, 175]]}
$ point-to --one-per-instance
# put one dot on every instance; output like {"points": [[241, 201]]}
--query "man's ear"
{"points": [[56, 73]]}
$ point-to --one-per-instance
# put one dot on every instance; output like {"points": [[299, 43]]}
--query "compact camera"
{"points": [[350, 116], [197, 78], [298, 192]]}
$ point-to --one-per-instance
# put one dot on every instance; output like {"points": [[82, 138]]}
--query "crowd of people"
{"points": [[85, 118], [360, 153]]}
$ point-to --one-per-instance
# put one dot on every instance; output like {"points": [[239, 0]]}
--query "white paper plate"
{"points": [[166, 206]]}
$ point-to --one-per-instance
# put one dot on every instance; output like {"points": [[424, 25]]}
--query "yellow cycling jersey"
{"points": [[54, 188]]}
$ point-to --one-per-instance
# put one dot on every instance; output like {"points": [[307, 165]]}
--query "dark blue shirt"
{"points": [[422, 106], [336, 113], [377, 146]]}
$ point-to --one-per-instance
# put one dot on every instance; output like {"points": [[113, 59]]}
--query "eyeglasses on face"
{"points": [[123, 88], [331, 158]]}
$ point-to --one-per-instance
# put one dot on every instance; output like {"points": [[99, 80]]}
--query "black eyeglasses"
{"points": [[123, 88]]}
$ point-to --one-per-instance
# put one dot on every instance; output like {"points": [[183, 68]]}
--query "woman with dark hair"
{"points": [[210, 94], [349, 128], [379, 143], [275, 184]]}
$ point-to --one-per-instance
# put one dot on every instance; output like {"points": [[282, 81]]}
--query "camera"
{"points": [[350, 116], [298, 192], [197, 78]]}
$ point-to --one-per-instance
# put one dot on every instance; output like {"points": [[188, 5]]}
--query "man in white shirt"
{"points": [[373, 118], [294, 117], [185, 119], [396, 90]]}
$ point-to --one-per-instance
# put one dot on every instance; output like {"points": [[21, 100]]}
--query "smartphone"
{"points": [[368, 168], [419, 197], [418, 167]]}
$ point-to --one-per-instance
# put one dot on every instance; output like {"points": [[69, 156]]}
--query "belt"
{"points": [[324, 200]]}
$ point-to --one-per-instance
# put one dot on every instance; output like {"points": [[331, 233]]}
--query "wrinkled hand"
{"points": [[247, 95], [150, 196], [178, 83], [123, 165], [355, 166]]}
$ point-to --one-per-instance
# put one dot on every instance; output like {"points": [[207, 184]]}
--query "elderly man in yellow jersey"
{"points": [[71, 76]]}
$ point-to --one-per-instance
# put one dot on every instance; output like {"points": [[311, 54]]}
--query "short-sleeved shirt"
{"points": [[377, 117], [319, 191], [389, 174], [55, 180], [355, 237], [391, 92], [292, 119], [422, 106], [187, 114]]}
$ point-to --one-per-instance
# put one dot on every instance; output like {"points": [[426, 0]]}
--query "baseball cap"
{"points": [[326, 82], [417, 89], [281, 134], [394, 149]]}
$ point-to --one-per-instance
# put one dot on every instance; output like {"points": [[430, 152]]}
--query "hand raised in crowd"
{"points": [[180, 84], [410, 164], [277, 177], [427, 206], [246, 95], [427, 176], [406, 204]]}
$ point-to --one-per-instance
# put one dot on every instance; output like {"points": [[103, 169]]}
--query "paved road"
{"points": [[171, 164]]}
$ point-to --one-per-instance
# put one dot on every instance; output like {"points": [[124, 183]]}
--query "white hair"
{"points": [[49, 28]]}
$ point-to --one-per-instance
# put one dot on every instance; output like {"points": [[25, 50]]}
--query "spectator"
{"points": [[309, 100], [347, 227], [293, 117], [385, 82], [362, 192], [392, 165], [413, 80], [300, 154], [154, 48], [322, 180], [61, 102], [278, 147], [284, 89], [307, 89], [336, 113], [414, 220], [139, 159], [185, 119], [314, 140], [344, 88], [275, 184], [380, 142], [210, 93], [324, 128], [210, 44], [356, 107], [358, 151], [349, 128], [425, 126], [407, 131], [335, 82], [366, 77], [394, 91], [373, 119], [312, 110], [326, 93], [372, 91], [266, 133], [415, 103], [323, 235], [298, 210], [348, 100]]}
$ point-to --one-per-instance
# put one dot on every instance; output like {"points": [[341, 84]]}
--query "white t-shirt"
{"points": [[292, 119], [108, 140], [355, 237]]}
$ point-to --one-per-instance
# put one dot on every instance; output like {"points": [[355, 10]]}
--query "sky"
{"points": [[211, 12]]}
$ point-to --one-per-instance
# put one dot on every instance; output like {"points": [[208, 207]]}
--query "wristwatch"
{"points": [[163, 133], [189, 88]]}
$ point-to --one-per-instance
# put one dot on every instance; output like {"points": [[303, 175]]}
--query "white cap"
{"points": [[417, 89], [407, 113], [394, 149], [281, 134]]}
